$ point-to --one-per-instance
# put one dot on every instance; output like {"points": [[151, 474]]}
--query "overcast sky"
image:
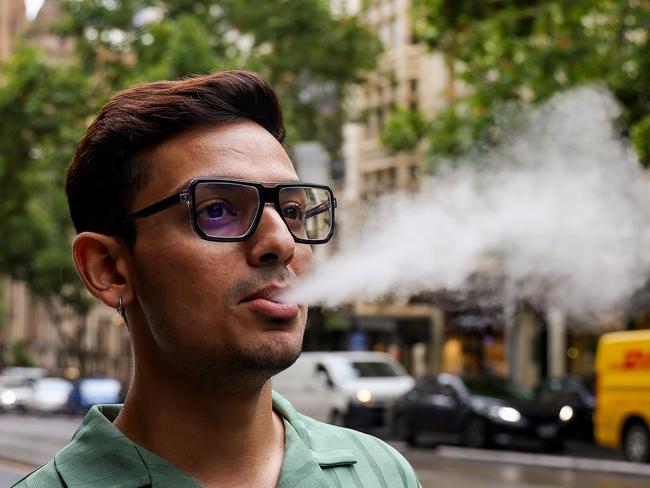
{"points": [[32, 7]]}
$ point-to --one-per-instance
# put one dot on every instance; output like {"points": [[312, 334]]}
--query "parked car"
{"points": [[574, 392], [91, 391], [27, 372], [49, 395], [14, 392], [477, 411], [350, 388]]}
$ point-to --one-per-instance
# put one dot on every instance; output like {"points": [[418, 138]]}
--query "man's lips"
{"points": [[267, 302]]}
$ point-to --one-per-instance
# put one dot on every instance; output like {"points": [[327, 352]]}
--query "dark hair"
{"points": [[106, 173]]}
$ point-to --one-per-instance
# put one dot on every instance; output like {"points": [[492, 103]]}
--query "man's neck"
{"points": [[216, 438]]}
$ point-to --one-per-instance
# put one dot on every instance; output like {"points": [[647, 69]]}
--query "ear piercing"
{"points": [[120, 309]]}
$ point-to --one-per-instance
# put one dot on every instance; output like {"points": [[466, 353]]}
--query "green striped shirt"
{"points": [[316, 455]]}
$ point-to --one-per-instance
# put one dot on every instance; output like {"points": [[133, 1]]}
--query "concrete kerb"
{"points": [[545, 460]]}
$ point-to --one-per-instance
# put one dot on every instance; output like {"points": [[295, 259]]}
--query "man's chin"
{"points": [[268, 361], [239, 370]]}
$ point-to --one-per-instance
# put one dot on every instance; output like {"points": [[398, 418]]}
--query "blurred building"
{"points": [[408, 77], [455, 331], [13, 23], [33, 330], [64, 344], [57, 48]]}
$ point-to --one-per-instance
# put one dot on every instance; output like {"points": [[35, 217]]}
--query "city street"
{"points": [[451, 467], [29, 441]]}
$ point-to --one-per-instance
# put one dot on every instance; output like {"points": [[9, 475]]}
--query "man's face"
{"points": [[207, 303]]}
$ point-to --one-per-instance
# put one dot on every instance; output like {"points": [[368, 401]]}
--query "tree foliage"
{"points": [[403, 130], [309, 55], [43, 108], [508, 53]]}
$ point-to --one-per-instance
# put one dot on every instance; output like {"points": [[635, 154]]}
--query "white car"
{"points": [[14, 392], [350, 388], [49, 395]]}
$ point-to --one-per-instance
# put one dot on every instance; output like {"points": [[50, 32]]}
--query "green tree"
{"points": [[309, 55], [403, 129], [46, 108], [509, 53], [20, 355]]}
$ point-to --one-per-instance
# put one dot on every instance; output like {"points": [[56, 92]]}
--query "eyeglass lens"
{"points": [[225, 209]]}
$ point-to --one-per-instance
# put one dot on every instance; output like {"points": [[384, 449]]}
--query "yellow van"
{"points": [[622, 416]]}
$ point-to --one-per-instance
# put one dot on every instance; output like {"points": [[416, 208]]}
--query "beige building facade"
{"points": [[13, 23], [64, 344], [408, 76]]}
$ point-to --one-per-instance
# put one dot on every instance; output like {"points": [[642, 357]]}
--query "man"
{"points": [[192, 223]]}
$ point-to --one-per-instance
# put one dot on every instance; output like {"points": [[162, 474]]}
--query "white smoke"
{"points": [[562, 208]]}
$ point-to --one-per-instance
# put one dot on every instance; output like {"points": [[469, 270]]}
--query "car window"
{"points": [[343, 368], [374, 369], [15, 383], [497, 387], [428, 386], [449, 391]]}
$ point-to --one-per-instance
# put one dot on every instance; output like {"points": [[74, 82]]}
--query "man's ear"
{"points": [[104, 265]]}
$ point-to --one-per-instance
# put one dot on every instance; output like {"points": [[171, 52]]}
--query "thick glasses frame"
{"points": [[266, 194]]}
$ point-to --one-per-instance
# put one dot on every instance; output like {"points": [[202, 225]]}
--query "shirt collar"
{"points": [[100, 456], [322, 443]]}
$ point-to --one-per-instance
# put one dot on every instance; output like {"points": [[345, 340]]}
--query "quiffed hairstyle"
{"points": [[107, 171]]}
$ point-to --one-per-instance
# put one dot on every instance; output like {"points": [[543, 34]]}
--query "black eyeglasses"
{"points": [[227, 210]]}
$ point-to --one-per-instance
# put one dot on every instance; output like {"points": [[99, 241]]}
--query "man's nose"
{"points": [[271, 243]]}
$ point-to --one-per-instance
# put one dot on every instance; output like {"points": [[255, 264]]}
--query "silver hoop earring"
{"points": [[120, 308]]}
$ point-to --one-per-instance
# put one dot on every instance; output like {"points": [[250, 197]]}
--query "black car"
{"points": [[477, 411], [572, 391]]}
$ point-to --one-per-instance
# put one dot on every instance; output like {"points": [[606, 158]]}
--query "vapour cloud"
{"points": [[561, 209]]}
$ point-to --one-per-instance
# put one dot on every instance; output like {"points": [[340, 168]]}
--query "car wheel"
{"points": [[475, 433], [636, 443]]}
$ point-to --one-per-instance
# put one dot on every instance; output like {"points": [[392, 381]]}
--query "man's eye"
{"points": [[218, 210], [293, 212]]}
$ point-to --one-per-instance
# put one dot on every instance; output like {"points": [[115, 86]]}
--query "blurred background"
{"points": [[377, 95]]}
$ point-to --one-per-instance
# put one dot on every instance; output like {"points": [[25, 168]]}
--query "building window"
{"points": [[384, 34], [391, 179], [413, 84], [396, 34], [369, 125]]}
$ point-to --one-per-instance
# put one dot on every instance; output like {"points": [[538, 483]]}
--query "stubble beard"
{"points": [[238, 372]]}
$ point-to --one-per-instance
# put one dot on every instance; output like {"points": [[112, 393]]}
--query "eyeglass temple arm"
{"points": [[156, 207], [318, 209]]}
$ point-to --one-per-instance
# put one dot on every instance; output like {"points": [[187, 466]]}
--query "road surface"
{"points": [[27, 441]]}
